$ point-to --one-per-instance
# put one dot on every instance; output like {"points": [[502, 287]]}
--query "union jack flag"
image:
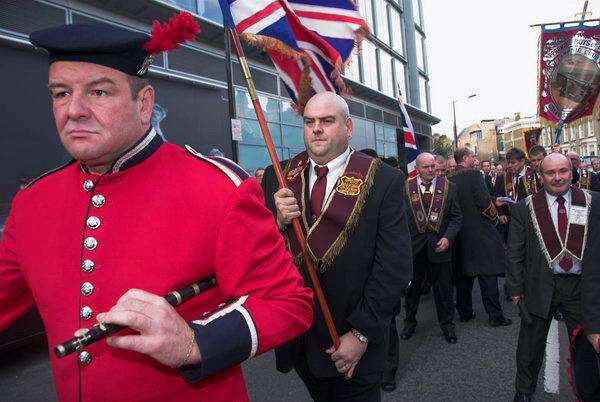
{"points": [[410, 141], [309, 41]]}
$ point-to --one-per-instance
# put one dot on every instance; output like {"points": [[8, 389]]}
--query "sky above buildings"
{"points": [[487, 48]]}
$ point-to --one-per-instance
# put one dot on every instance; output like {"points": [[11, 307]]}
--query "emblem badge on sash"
{"points": [[349, 186]]}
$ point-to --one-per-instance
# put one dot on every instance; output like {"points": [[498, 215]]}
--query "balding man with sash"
{"points": [[546, 245], [435, 219], [353, 213]]}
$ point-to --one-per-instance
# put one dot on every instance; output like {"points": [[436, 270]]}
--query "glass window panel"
{"points": [[245, 107], [365, 7], [210, 10], [400, 78], [379, 132], [423, 92], [416, 11], [380, 148], [383, 31], [189, 5], [352, 71], [390, 134], [387, 79], [253, 157], [396, 31], [292, 136], [294, 151], [420, 49], [251, 133], [369, 63], [390, 149], [289, 115]]}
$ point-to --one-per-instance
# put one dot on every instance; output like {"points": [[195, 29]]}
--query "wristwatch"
{"points": [[359, 336]]}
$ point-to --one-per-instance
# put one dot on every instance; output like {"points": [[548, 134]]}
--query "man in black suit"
{"points": [[545, 251], [353, 208], [479, 246], [435, 219]]}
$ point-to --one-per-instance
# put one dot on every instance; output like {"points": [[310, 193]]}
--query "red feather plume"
{"points": [[181, 27]]}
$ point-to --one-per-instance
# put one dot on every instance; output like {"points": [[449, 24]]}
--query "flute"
{"points": [[85, 336]]}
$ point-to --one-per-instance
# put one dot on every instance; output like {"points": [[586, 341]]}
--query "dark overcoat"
{"points": [[479, 246]]}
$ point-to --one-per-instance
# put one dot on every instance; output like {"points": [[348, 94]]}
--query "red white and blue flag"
{"points": [[410, 141], [309, 41]]}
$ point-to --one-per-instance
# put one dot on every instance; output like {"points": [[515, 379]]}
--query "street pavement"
{"points": [[480, 367]]}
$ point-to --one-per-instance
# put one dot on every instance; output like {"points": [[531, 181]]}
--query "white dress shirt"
{"points": [[335, 166], [553, 206], [421, 184]]}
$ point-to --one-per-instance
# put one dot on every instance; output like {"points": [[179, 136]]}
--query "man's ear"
{"points": [[145, 101]]}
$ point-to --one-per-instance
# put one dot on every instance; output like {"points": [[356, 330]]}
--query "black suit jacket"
{"points": [[488, 183], [595, 182], [479, 247], [451, 224], [590, 285], [529, 274], [363, 284]]}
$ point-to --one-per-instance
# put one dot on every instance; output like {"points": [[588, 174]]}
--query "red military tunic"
{"points": [[161, 219]]}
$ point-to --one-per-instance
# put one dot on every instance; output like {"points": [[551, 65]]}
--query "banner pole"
{"points": [[283, 184]]}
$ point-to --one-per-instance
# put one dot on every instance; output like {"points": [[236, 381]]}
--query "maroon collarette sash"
{"points": [[429, 216], [509, 186], [584, 180], [551, 244], [529, 181], [341, 210]]}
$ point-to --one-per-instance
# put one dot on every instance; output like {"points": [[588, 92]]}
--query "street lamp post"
{"points": [[454, 112]]}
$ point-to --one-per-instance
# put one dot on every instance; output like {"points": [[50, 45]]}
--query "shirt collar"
{"points": [[420, 181], [552, 198], [335, 163], [522, 172], [137, 153]]}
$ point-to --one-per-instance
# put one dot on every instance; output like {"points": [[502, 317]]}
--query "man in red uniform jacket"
{"points": [[129, 219]]}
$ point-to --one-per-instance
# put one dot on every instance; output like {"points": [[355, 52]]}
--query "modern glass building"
{"points": [[191, 84]]}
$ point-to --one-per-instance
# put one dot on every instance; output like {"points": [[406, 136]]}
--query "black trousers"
{"points": [[337, 389], [532, 340], [393, 355], [489, 295], [440, 275]]}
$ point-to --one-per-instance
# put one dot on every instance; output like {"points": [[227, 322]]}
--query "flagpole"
{"points": [[283, 184], [230, 93]]}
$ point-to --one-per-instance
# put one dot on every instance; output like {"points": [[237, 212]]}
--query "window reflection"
{"points": [[369, 63], [387, 79], [289, 114], [365, 7], [399, 74], [383, 31], [386, 140], [210, 10], [420, 44], [423, 93], [416, 11], [396, 31], [245, 107]]}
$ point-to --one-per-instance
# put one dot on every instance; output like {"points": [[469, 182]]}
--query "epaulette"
{"points": [[48, 173], [235, 172]]}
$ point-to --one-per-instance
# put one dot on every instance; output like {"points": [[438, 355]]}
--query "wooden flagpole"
{"points": [[283, 184]]}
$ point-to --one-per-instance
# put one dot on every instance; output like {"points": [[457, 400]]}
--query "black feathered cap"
{"points": [[115, 47], [98, 43]]}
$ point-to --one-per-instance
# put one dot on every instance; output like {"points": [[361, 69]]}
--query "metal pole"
{"points": [[282, 184], [455, 132], [230, 93]]}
